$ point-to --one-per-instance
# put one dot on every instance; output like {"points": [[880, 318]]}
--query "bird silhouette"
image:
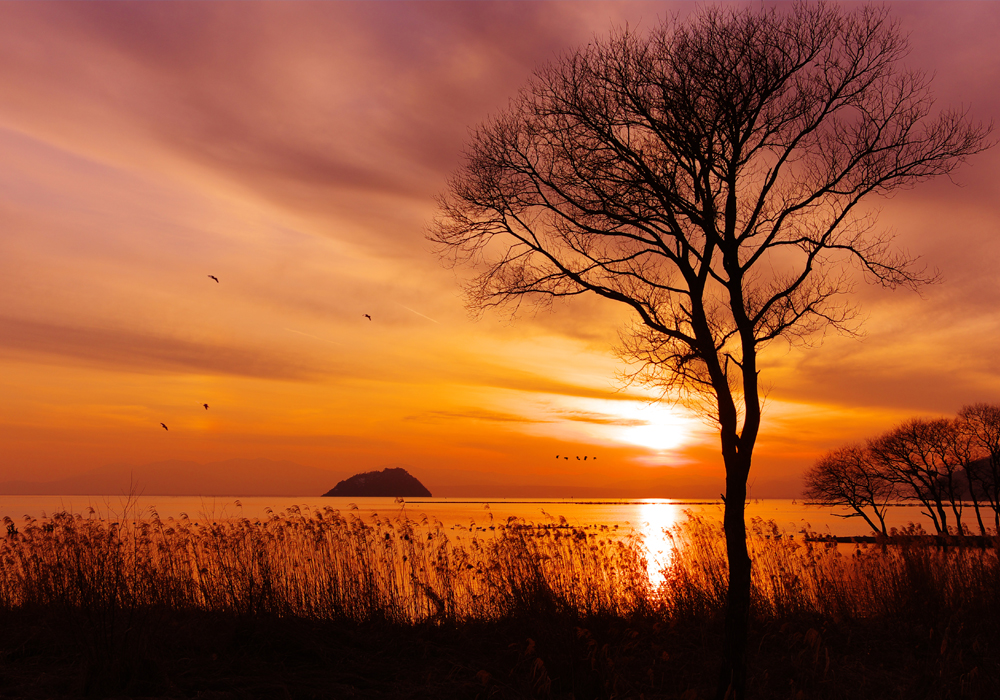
{"points": [[205, 405], [367, 316], [557, 456], [585, 458], [214, 278], [578, 456], [164, 426]]}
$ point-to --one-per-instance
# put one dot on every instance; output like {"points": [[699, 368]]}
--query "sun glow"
{"points": [[661, 428], [656, 518], [654, 426]]}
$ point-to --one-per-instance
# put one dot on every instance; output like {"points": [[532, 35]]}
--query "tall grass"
{"points": [[320, 564], [909, 578], [114, 580]]}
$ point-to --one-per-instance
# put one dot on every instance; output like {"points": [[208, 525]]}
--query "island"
{"points": [[391, 482]]}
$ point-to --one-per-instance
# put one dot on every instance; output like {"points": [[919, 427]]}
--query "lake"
{"points": [[465, 517], [647, 517]]}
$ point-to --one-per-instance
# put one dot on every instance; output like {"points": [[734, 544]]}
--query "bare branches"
{"points": [[707, 174], [981, 423], [850, 477], [942, 463], [916, 457]]}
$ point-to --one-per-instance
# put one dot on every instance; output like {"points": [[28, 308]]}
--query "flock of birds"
{"points": [[213, 277], [368, 316]]}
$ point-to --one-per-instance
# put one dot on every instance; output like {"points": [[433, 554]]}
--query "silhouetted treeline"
{"points": [[945, 464]]}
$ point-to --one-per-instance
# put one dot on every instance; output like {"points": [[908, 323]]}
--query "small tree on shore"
{"points": [[982, 422], [910, 456], [942, 463], [849, 477], [961, 449], [708, 175], [927, 460]]}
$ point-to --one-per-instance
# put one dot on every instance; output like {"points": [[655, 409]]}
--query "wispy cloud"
{"points": [[139, 352], [473, 414], [420, 314], [600, 418]]}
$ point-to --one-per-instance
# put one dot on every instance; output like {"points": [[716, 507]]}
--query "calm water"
{"points": [[466, 517], [645, 517]]}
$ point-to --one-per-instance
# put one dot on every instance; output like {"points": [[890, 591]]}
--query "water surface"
{"points": [[644, 516]]}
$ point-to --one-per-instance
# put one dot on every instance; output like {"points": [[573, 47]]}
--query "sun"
{"points": [[661, 428], [654, 426]]}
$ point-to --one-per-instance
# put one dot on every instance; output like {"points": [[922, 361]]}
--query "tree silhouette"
{"points": [[960, 474], [849, 477], [916, 456], [707, 174], [981, 421]]}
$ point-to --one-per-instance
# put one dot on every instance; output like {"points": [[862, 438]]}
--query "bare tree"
{"points": [[916, 457], [850, 477], [954, 449], [707, 174], [982, 421], [962, 449]]}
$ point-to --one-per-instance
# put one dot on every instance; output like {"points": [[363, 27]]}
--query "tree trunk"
{"points": [[956, 508], [979, 517], [931, 512], [970, 480], [868, 520], [732, 682], [881, 520], [942, 514]]}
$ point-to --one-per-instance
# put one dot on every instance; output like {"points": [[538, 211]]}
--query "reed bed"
{"points": [[319, 564], [794, 576], [532, 610], [322, 564]]}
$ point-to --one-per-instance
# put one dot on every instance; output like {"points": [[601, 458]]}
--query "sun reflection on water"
{"points": [[656, 516]]}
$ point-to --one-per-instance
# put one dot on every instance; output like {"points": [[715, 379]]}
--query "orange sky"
{"points": [[294, 151]]}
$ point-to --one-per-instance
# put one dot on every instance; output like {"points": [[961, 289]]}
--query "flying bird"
{"points": [[214, 278], [367, 316], [557, 456], [164, 426], [205, 405]]}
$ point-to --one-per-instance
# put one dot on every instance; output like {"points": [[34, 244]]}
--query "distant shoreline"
{"points": [[573, 501]]}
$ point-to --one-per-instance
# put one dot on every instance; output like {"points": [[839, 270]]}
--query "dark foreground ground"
{"points": [[200, 655]]}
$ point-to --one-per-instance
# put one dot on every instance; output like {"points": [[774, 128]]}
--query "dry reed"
{"points": [[317, 564], [320, 564], [115, 583], [895, 578]]}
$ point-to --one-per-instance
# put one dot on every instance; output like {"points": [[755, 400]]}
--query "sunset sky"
{"points": [[294, 151]]}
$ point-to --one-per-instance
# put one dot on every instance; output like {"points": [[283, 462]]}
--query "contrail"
{"points": [[420, 314], [310, 335]]}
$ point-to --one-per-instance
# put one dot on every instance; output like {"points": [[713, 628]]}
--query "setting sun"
{"points": [[658, 427]]}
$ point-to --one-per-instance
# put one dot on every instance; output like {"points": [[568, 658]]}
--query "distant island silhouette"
{"points": [[392, 482]]}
